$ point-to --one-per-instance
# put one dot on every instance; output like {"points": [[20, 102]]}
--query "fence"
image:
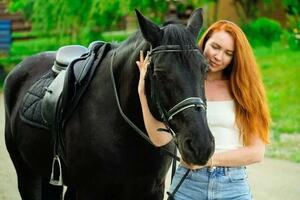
{"points": [[5, 36]]}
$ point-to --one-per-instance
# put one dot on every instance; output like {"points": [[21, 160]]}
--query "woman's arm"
{"points": [[253, 153], [159, 138]]}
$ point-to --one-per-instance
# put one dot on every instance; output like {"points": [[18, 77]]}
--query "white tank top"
{"points": [[221, 122]]}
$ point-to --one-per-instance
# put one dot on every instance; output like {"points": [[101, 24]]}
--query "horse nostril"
{"points": [[188, 145], [196, 152]]}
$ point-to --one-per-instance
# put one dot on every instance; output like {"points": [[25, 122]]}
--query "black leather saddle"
{"points": [[62, 87]]}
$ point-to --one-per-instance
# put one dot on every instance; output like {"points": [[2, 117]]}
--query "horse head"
{"points": [[175, 85]]}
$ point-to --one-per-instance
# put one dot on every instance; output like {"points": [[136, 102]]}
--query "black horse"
{"points": [[105, 158]]}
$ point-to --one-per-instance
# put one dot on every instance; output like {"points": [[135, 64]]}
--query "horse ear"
{"points": [[195, 22], [151, 32]]}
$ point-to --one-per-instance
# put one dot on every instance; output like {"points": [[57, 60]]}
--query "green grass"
{"points": [[285, 147], [280, 68]]}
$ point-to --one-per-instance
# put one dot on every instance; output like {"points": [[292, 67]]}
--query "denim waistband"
{"points": [[223, 169], [219, 169]]}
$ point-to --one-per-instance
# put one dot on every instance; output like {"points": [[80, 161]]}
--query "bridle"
{"points": [[166, 116], [189, 102]]}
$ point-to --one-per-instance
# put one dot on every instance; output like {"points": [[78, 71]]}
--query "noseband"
{"points": [[189, 102]]}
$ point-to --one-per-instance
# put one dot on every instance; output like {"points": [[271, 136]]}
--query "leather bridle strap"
{"points": [[172, 48], [141, 133], [171, 195], [196, 102]]}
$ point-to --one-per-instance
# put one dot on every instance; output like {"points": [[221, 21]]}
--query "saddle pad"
{"points": [[31, 111]]}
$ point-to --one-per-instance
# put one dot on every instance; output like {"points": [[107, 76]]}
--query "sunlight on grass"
{"points": [[280, 70], [286, 147]]}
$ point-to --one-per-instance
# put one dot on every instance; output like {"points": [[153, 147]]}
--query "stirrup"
{"points": [[53, 181]]}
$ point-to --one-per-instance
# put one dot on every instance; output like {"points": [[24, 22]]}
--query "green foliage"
{"points": [[22, 49], [292, 6], [25, 5], [154, 8], [249, 8], [84, 19], [294, 40], [263, 31]]}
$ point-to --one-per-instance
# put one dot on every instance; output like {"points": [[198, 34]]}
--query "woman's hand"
{"points": [[142, 64], [194, 167], [190, 166]]}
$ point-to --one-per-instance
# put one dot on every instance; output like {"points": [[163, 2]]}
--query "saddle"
{"points": [[73, 66], [33, 109]]}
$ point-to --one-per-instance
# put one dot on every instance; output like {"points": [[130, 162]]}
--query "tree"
{"points": [[292, 8], [79, 18], [86, 19], [248, 9]]}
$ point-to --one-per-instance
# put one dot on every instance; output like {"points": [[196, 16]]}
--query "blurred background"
{"points": [[272, 27]]}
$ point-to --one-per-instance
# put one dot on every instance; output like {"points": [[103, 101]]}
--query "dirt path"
{"points": [[270, 180], [8, 179]]}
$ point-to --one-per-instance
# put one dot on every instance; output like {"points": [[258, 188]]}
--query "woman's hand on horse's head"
{"points": [[142, 65]]}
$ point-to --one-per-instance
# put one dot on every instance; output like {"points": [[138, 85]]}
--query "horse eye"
{"points": [[159, 73]]}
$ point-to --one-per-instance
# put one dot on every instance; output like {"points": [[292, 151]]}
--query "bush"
{"points": [[263, 31], [21, 49], [294, 41]]}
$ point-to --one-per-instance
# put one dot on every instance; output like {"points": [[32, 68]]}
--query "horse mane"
{"points": [[174, 34], [177, 34]]}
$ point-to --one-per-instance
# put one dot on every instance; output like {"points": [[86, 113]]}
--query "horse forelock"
{"points": [[177, 34]]}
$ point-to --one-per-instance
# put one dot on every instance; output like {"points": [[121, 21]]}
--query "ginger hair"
{"points": [[245, 84]]}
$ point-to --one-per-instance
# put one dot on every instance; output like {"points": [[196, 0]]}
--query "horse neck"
{"points": [[126, 74]]}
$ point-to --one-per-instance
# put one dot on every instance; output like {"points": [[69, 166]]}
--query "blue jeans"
{"points": [[223, 183]]}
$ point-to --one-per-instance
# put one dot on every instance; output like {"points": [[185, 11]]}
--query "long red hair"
{"points": [[246, 86]]}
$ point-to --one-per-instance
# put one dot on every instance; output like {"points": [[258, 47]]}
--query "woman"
{"points": [[237, 115]]}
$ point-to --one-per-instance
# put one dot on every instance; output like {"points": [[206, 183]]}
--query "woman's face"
{"points": [[219, 50]]}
